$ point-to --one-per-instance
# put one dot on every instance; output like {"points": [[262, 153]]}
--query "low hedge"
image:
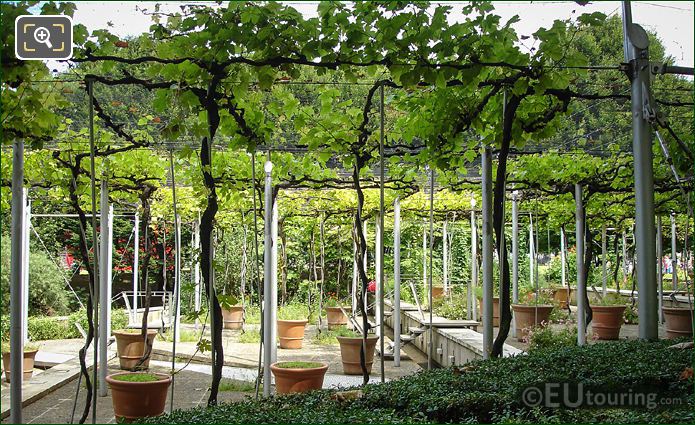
{"points": [[487, 391], [42, 328]]}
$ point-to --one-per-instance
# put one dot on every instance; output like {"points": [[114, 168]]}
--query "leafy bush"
{"points": [[546, 337], [45, 328], [47, 295], [453, 309], [486, 391]]}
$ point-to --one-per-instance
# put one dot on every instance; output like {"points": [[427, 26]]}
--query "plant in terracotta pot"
{"points": [[350, 348], [495, 303], [298, 376], [130, 346], [30, 350], [232, 311], [292, 320], [138, 394], [531, 313], [608, 317], [561, 295], [334, 311], [679, 322]]}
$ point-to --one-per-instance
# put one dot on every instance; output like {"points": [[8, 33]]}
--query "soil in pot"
{"points": [[607, 321], [233, 317], [137, 395], [131, 347], [335, 317], [291, 333], [529, 316], [298, 377], [27, 364], [679, 322], [350, 348]]}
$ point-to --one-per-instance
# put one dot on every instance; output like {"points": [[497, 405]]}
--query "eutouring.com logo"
{"points": [[574, 395]]}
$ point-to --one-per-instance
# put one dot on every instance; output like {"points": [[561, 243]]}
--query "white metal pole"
{"points": [[396, 283], [103, 293], [515, 255], [581, 281], [487, 253], [136, 266], [25, 265], [472, 288], [531, 250], [16, 283], [659, 266], [563, 256], [267, 281], [274, 284], [365, 261], [377, 266], [445, 259], [109, 272], [424, 255], [636, 46], [197, 289], [604, 251], [354, 277], [674, 252]]}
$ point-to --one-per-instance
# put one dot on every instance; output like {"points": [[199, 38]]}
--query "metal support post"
{"points": [[487, 253], [581, 280]]}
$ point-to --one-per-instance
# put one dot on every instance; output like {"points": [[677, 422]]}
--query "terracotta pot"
{"points": [[679, 322], [291, 333], [495, 310], [437, 291], [350, 348], [27, 365], [288, 380], [336, 317], [562, 296], [528, 316], [233, 317], [131, 347], [133, 400], [607, 321]]}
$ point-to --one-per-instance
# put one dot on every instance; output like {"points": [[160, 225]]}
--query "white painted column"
{"points": [[531, 250], [396, 283], [487, 253], [354, 277], [445, 258], [177, 277], [197, 294], [424, 257], [136, 266], [515, 256], [581, 281], [674, 252], [274, 284], [377, 267], [25, 265], [104, 299], [472, 301], [660, 267], [604, 270], [563, 257]]}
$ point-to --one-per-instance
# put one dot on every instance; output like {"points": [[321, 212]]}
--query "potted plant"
{"points": [[531, 313], [291, 326], [495, 304], [608, 317], [350, 348], [561, 296], [232, 311], [335, 315], [138, 394], [679, 322], [130, 346], [298, 377], [30, 351]]}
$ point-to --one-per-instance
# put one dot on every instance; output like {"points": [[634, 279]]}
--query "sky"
{"points": [[671, 20]]}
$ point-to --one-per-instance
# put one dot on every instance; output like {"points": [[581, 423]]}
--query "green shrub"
{"points": [[45, 328], [48, 295], [547, 337], [453, 309], [487, 391], [329, 337]]}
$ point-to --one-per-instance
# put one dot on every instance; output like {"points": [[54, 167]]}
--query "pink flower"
{"points": [[371, 287]]}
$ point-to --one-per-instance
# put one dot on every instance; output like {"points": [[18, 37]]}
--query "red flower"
{"points": [[371, 287]]}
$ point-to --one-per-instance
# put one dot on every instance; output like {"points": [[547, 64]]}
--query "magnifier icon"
{"points": [[43, 36]]}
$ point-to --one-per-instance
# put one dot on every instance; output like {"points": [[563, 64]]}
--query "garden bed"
{"points": [[489, 391]]}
